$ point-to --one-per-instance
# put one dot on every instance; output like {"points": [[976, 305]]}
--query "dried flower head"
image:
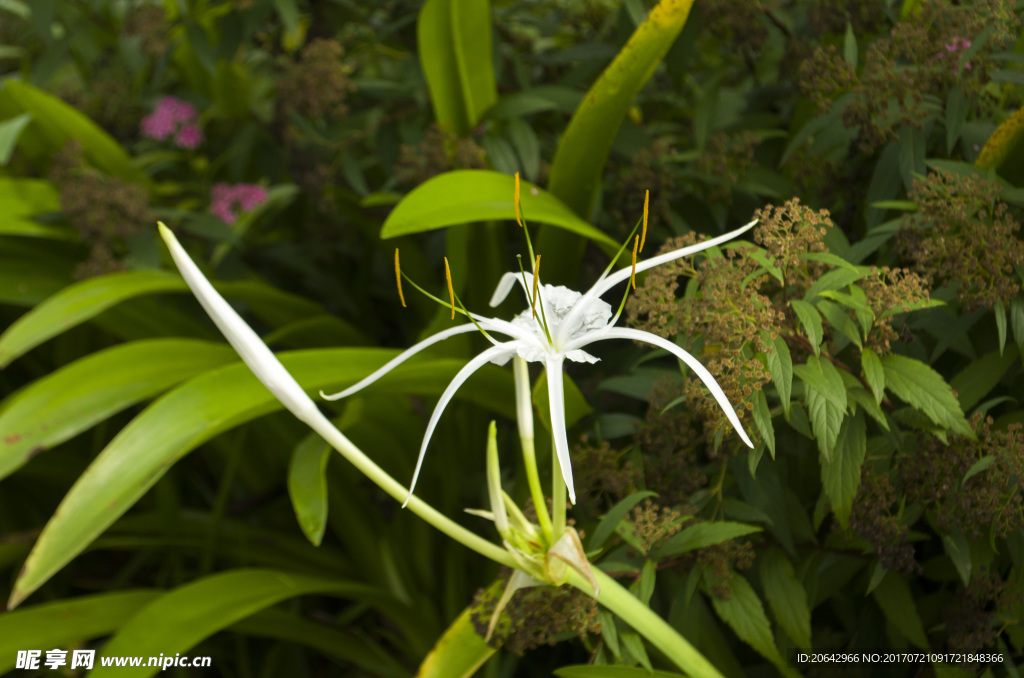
{"points": [[317, 85], [872, 518]]}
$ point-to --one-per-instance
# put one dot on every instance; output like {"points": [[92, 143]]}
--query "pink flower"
{"points": [[171, 116], [958, 44], [224, 198]]}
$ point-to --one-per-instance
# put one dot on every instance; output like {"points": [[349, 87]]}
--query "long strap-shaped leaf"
{"points": [[198, 410]]}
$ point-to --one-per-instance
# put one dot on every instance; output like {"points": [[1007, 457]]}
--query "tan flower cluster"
{"points": [[962, 233], [993, 498], [653, 523], [720, 561], [735, 21], [536, 616], [872, 518], [439, 152], [890, 291], [972, 620], [601, 472], [727, 156], [105, 210], [670, 443], [317, 85]]}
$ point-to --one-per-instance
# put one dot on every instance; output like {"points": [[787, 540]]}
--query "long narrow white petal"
{"points": [[401, 358], [700, 370], [465, 373], [267, 368], [556, 402]]}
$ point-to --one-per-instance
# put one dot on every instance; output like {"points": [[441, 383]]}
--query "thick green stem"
{"points": [[536, 491], [647, 623]]}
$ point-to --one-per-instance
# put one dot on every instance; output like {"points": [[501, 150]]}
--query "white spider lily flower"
{"points": [[565, 322]]}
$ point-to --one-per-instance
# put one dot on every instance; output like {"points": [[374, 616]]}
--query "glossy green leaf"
{"points": [[780, 364], [205, 406], [978, 379], [10, 130], [810, 321], [826, 401], [614, 516], [786, 596], [66, 622], [459, 652], [873, 373], [20, 200], [78, 396], [579, 161], [745, 615], [587, 671], [179, 619], [840, 477], [702, 535], [466, 196], [59, 122], [925, 389], [78, 303], [897, 603], [307, 486], [454, 41]]}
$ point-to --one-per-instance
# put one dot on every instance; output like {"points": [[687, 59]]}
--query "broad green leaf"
{"points": [[840, 477], [466, 196], [786, 596], [1003, 149], [894, 597], [77, 303], [977, 379], [459, 652], [179, 619], [614, 516], [780, 364], [10, 130], [587, 671], [924, 388], [873, 373], [66, 622], [959, 551], [702, 535], [20, 200], [957, 108], [763, 421], [840, 321], [59, 122], [744, 614], [307, 486], [203, 407], [826, 401], [454, 42], [835, 279], [810, 321], [78, 396]]}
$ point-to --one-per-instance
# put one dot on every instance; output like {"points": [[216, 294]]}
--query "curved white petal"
{"points": [[504, 287], [401, 358], [700, 370], [556, 401], [465, 373], [263, 363]]}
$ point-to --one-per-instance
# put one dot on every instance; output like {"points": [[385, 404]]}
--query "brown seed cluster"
{"points": [[600, 472], [972, 620], [963, 233], [653, 523], [720, 561], [105, 210], [149, 23], [544, 615], [439, 152], [317, 85], [734, 21], [993, 498], [727, 156], [671, 442], [647, 171], [872, 519], [890, 292]]}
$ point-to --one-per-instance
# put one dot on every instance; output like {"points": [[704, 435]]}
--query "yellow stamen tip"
{"points": [[632, 275], [519, 219], [643, 233], [398, 279], [536, 283], [451, 290]]}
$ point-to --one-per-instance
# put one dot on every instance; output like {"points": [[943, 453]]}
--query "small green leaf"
{"points": [[780, 364], [524, 139], [643, 587], [702, 535], [957, 107], [840, 477], [999, 311], [633, 644], [873, 373], [1017, 321], [307, 486], [763, 421], [978, 466], [810, 321], [786, 596], [894, 597], [826, 401], [10, 130], [744, 614], [959, 551], [612, 519], [466, 196], [902, 205], [924, 388], [850, 46], [840, 320]]}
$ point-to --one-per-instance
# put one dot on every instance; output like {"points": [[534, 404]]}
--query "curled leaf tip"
{"points": [[519, 219], [398, 279], [643, 232], [451, 290], [632, 274]]}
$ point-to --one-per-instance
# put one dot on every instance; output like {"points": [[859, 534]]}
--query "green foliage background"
{"points": [[871, 332]]}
